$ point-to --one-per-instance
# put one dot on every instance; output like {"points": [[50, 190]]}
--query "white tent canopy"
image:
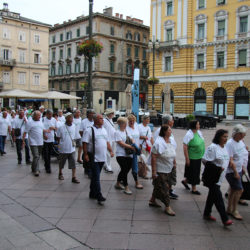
{"points": [[59, 95], [19, 93]]}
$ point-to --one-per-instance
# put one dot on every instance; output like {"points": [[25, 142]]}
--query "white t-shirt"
{"points": [[4, 124], [61, 119], [166, 155], [66, 134], [20, 123], [190, 135], [121, 136], [172, 140], [101, 139], [236, 150], [47, 124], [110, 128], [86, 123], [145, 131], [35, 132], [77, 122], [218, 156], [134, 134]]}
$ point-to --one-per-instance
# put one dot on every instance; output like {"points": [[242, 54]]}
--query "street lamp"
{"points": [[153, 45], [90, 99]]}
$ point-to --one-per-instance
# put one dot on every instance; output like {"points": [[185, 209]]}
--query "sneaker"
{"points": [[172, 195], [100, 200], [36, 173], [127, 191]]}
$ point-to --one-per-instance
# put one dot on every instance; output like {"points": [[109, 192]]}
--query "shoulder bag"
{"points": [[17, 131], [129, 142]]}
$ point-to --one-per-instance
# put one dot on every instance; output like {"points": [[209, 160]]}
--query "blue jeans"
{"points": [[95, 185], [2, 143], [135, 161]]}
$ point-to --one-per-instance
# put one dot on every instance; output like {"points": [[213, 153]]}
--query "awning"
{"points": [[31, 100]]}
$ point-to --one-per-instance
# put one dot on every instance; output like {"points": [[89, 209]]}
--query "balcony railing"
{"points": [[169, 44], [9, 62]]}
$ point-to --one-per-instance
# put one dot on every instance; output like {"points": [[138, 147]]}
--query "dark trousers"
{"points": [[47, 149], [19, 143], [95, 185], [215, 198], [2, 143], [125, 164]]}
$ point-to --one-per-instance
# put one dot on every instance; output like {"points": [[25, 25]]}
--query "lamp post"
{"points": [[153, 45], [90, 95]]}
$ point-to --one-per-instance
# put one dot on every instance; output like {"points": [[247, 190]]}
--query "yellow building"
{"points": [[24, 47], [204, 56]]}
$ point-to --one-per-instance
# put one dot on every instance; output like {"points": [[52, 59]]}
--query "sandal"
{"points": [[74, 180], [153, 204], [138, 186], [119, 187], [60, 177]]}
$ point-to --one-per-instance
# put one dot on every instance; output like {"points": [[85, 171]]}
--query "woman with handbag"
{"points": [[217, 155], [163, 157], [124, 159]]}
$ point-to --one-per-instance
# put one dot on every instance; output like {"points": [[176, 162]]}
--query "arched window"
{"points": [[241, 98], [200, 100], [220, 102]]}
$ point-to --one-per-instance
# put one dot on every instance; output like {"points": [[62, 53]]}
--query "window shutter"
{"points": [[10, 54]]}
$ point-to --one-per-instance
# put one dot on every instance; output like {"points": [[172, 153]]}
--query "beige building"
{"points": [[24, 52], [125, 42]]}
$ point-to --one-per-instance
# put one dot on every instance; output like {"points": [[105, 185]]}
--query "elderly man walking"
{"points": [[95, 145], [18, 128], [35, 130], [5, 127], [66, 138]]}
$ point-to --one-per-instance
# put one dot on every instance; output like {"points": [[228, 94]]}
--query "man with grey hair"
{"points": [[50, 125], [61, 117], [168, 120], [35, 130]]}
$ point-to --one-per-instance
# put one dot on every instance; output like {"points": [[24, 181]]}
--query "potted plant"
{"points": [[152, 80], [90, 48]]}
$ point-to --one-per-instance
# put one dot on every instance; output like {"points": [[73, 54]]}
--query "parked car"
{"points": [[119, 113], [205, 114], [143, 112]]}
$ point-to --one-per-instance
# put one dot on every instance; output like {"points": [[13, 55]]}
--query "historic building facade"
{"points": [[204, 55], [24, 53], [125, 48]]}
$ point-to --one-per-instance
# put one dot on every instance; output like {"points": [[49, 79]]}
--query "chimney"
{"points": [[121, 16], [117, 14], [5, 7], [128, 18], [108, 11]]}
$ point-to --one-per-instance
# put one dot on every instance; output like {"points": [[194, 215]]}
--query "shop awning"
{"points": [[31, 100]]}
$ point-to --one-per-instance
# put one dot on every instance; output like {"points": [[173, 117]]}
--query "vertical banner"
{"points": [[135, 93]]}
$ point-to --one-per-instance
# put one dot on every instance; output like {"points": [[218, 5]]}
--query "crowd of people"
{"points": [[149, 155]]}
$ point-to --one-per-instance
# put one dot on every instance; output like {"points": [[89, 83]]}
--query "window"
{"points": [[221, 27], [60, 86], [6, 34], [144, 54], [68, 52], [169, 8], [6, 54], [53, 39], [77, 67], [201, 31], [68, 69], [61, 37], [37, 58], [136, 52], [220, 59], [129, 35], [6, 77], [243, 57], [112, 66], [21, 77], [129, 69], [112, 30], [53, 55], [21, 36], [169, 35], [221, 2], [36, 79], [200, 61], [168, 63], [201, 4], [128, 51], [137, 36], [111, 84], [61, 53], [68, 85], [77, 84], [243, 24], [78, 32], [112, 48], [69, 35], [37, 38], [22, 56], [60, 70], [53, 70], [87, 30]]}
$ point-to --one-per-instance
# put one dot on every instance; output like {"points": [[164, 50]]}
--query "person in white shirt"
{"points": [[110, 128], [236, 150], [77, 121], [35, 130], [50, 125], [96, 155], [42, 111], [66, 140], [19, 124], [87, 122], [61, 117], [217, 155], [5, 128]]}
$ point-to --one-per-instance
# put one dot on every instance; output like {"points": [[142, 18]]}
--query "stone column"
{"points": [[167, 98], [128, 99]]}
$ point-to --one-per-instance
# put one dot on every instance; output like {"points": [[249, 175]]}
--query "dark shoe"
{"points": [[19, 162], [101, 199], [48, 171], [93, 197], [228, 223], [74, 180], [28, 162], [209, 218], [4, 153], [196, 192], [36, 173], [153, 204], [185, 185], [108, 171], [172, 195], [243, 203], [60, 177]]}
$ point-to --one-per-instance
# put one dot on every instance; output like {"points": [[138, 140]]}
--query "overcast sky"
{"points": [[57, 11]]}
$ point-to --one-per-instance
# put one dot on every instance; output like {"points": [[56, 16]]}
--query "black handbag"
{"points": [[128, 141], [17, 131], [246, 186], [211, 174]]}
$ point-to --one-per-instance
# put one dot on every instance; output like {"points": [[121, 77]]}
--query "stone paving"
{"points": [[45, 213]]}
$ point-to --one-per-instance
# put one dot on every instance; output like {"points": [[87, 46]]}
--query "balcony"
{"points": [[9, 62], [169, 45]]}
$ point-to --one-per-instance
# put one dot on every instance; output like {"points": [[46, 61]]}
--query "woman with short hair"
{"points": [[194, 148]]}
